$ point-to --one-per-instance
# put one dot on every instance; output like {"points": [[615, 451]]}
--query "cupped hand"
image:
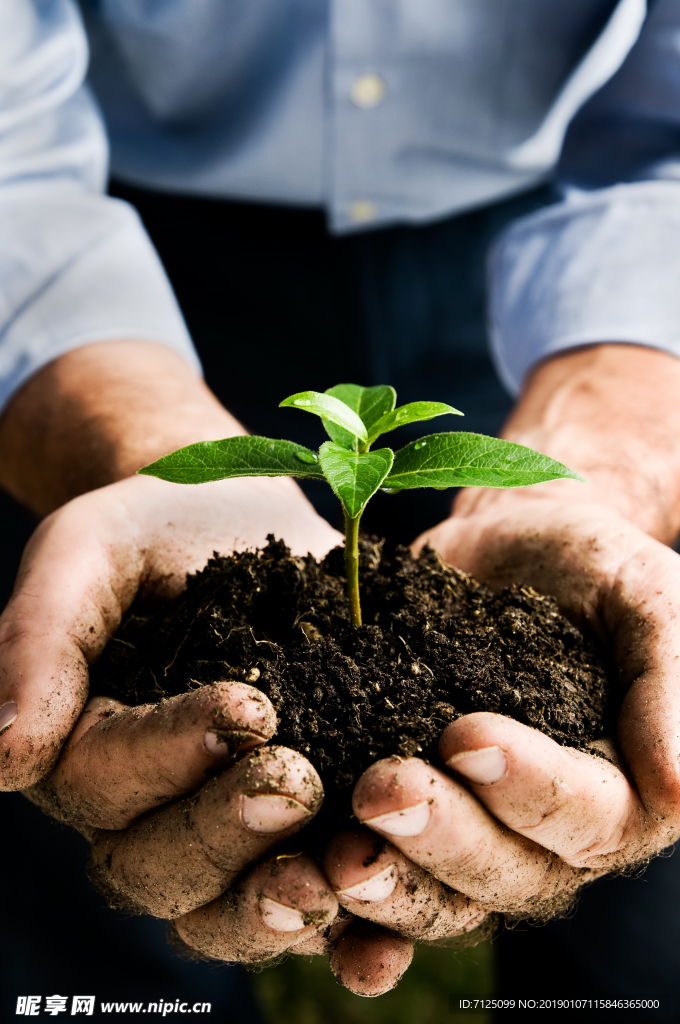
{"points": [[184, 807], [511, 821], [81, 570]]}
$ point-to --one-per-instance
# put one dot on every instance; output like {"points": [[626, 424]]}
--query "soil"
{"points": [[435, 645]]}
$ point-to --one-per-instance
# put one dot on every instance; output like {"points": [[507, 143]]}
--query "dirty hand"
{"points": [[178, 830], [182, 830], [510, 819]]}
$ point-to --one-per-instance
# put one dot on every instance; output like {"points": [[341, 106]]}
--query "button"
{"points": [[362, 211], [368, 91]]}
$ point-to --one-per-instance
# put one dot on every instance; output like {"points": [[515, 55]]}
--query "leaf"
{"points": [[235, 456], [340, 435], [354, 476], [368, 403], [414, 412], [329, 408], [471, 460]]}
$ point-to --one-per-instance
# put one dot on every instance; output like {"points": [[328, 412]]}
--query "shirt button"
{"points": [[362, 210], [368, 91]]}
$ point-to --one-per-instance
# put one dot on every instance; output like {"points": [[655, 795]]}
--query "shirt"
{"points": [[381, 111]]}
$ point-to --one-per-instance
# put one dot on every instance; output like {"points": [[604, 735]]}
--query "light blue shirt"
{"points": [[381, 111]]}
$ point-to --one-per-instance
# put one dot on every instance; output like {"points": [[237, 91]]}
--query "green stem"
{"points": [[352, 566]]}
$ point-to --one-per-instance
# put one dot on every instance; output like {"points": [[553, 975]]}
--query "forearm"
{"points": [[97, 414], [611, 412]]}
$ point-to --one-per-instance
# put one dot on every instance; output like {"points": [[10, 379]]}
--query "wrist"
{"points": [[98, 413], [610, 412]]}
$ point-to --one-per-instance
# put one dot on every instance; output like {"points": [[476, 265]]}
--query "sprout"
{"points": [[354, 418]]}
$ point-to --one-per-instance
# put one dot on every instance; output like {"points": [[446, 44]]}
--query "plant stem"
{"points": [[352, 566]]}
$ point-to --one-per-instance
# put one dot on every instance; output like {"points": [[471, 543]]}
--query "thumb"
{"points": [[67, 601]]}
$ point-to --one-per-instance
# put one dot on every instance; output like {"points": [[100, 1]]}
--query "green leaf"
{"points": [[414, 412], [354, 477], [368, 403], [471, 460], [341, 436], [329, 408], [235, 456]]}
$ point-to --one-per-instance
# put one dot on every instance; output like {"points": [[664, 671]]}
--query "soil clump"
{"points": [[435, 645]]}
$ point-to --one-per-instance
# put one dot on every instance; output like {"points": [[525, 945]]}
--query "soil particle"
{"points": [[435, 645]]}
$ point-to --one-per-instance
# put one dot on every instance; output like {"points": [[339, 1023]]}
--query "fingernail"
{"points": [[481, 766], [230, 742], [409, 822], [377, 887], [8, 712], [279, 917], [269, 813]]}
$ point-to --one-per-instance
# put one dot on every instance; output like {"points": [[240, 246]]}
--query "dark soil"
{"points": [[435, 645]]}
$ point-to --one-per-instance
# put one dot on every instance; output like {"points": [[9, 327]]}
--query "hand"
{"points": [[512, 822], [90, 418], [167, 842]]}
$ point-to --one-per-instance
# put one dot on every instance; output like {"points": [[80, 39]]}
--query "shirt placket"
{"points": [[360, 87]]}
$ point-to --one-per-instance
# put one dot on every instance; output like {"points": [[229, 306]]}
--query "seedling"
{"points": [[354, 418]]}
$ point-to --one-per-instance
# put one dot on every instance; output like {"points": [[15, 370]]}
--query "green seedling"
{"points": [[354, 418]]}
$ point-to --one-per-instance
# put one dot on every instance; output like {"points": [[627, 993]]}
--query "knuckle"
{"points": [[556, 891], [453, 924], [108, 881], [146, 868]]}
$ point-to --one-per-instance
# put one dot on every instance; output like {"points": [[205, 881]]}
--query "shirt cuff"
{"points": [[104, 282], [600, 266]]}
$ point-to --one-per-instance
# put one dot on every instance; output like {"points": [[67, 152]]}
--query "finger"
{"points": [[281, 904], [185, 855], [368, 960], [581, 807], [441, 827], [376, 882], [121, 762]]}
